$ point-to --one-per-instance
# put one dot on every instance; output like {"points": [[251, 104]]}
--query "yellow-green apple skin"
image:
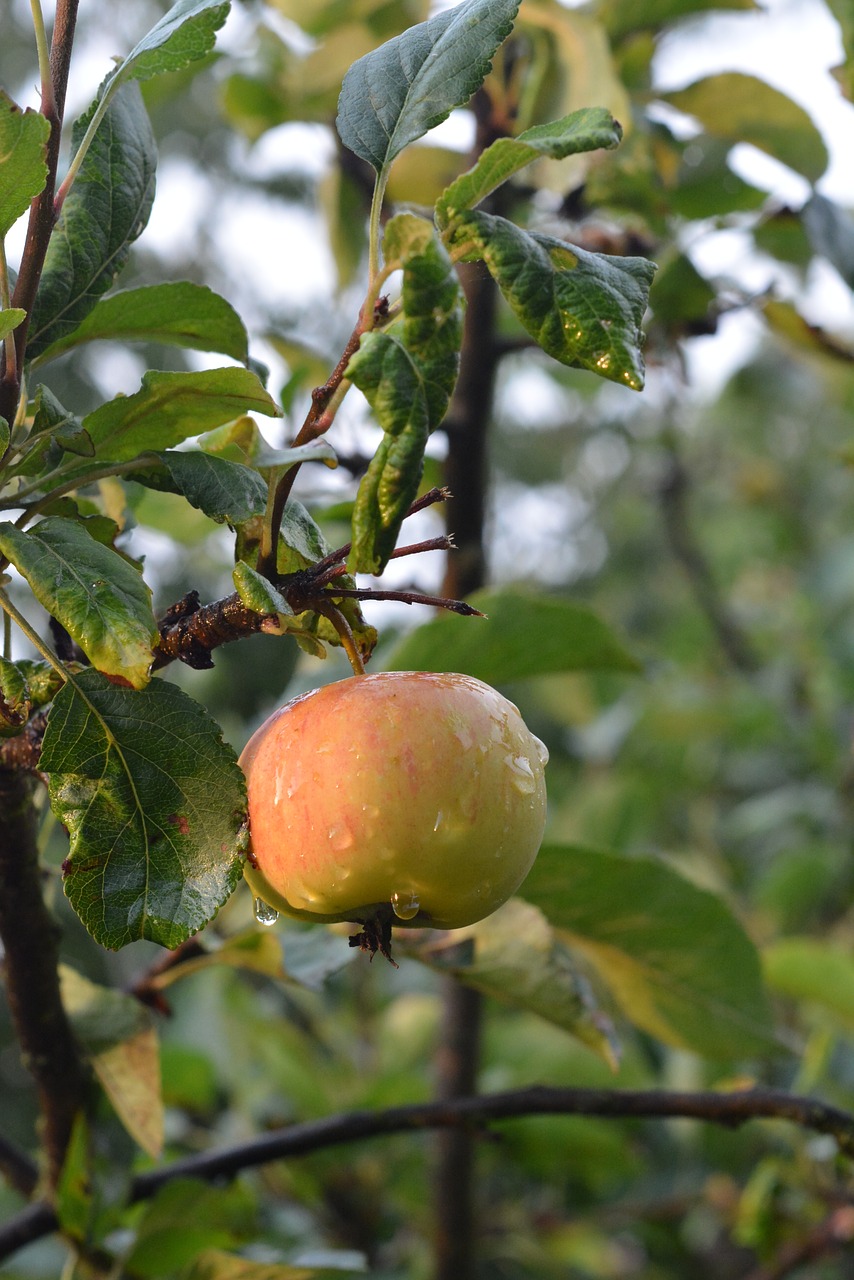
{"points": [[420, 791]]}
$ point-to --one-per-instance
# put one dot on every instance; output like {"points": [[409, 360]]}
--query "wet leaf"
{"points": [[153, 801], [407, 375], [584, 309], [100, 599]]}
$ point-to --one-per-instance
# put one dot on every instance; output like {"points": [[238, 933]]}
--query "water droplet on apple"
{"points": [[439, 818], [541, 750], [340, 838], [264, 913], [523, 775], [405, 905]]}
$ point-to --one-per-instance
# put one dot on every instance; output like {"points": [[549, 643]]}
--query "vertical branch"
{"points": [[674, 494], [458, 1054], [42, 211], [29, 937]]}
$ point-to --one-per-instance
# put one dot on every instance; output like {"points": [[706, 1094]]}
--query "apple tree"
{"points": [[179, 557]]}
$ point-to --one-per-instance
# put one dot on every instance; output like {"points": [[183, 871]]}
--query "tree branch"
{"points": [[469, 1114], [42, 212], [17, 1168], [673, 493], [29, 936]]}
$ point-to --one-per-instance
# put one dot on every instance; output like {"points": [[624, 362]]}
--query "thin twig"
{"points": [[409, 597], [728, 1109], [428, 499]]}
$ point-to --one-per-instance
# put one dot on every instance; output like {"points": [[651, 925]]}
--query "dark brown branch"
{"points": [[674, 493], [29, 937], [20, 1172], [728, 1109], [466, 475], [190, 631], [316, 423], [409, 597], [42, 212]]}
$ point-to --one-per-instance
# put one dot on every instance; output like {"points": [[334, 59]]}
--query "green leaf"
{"points": [[258, 592], [74, 1198], [395, 94], [169, 407], [584, 309], [741, 108], [10, 319], [814, 971], [154, 804], [522, 635], [105, 211], [393, 385], [43, 681], [23, 169], [15, 703], [100, 599], [432, 327], [185, 1219], [675, 958], [585, 130], [225, 491], [119, 1039], [184, 34], [407, 376], [514, 956], [180, 315]]}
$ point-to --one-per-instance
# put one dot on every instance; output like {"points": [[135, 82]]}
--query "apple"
{"points": [[406, 798]]}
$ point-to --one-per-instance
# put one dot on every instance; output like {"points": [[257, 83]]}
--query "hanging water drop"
{"points": [[264, 913], [523, 775], [405, 905]]}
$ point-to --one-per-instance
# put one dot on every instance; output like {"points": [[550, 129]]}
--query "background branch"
{"points": [[673, 494], [468, 1114]]}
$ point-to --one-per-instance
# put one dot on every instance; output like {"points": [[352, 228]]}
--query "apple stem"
{"points": [[345, 633]]}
